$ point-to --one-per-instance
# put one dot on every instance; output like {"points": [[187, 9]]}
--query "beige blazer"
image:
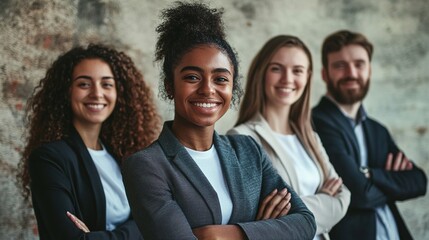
{"points": [[327, 210]]}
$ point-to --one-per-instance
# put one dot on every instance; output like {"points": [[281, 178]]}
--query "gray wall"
{"points": [[34, 33]]}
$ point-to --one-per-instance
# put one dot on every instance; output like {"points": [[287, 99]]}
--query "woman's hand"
{"points": [[276, 204], [79, 224], [332, 186]]}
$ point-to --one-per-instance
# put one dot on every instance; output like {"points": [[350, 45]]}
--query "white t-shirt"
{"points": [[208, 162], [117, 208], [309, 176]]}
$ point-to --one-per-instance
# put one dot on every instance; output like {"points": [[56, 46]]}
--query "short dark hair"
{"points": [[339, 39]]}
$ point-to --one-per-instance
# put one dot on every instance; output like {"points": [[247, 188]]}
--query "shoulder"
{"points": [[242, 144], [144, 156], [244, 129], [55, 149]]}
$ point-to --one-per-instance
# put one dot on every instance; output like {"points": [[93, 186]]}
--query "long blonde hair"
{"points": [[254, 99]]}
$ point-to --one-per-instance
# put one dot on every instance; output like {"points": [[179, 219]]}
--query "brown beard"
{"points": [[349, 96]]}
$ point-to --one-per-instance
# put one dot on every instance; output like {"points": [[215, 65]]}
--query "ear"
{"points": [[324, 75]]}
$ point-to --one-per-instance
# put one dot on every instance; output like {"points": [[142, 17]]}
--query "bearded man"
{"points": [[363, 153]]}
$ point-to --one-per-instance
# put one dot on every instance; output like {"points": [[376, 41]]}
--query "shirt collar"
{"points": [[360, 117]]}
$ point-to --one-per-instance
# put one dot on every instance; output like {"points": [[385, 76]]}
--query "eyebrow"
{"points": [[198, 69], [89, 77], [279, 64]]}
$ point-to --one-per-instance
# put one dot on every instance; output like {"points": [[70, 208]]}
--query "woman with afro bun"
{"points": [[193, 183], [91, 110]]}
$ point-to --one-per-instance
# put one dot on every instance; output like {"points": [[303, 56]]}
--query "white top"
{"points": [[309, 176], [208, 162], [304, 166], [117, 208]]}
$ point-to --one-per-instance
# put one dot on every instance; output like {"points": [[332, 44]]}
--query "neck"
{"points": [[350, 109], [89, 135], [278, 119], [192, 136]]}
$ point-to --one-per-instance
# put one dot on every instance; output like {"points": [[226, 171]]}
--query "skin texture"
{"points": [[93, 97]]}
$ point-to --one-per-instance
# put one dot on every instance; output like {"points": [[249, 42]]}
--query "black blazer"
{"points": [[384, 187], [64, 178]]}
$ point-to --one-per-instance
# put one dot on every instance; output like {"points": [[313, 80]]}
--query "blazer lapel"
{"points": [[77, 144], [340, 120], [264, 131], [233, 176], [175, 151]]}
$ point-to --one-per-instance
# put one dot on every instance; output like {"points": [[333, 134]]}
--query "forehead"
{"points": [[205, 57], [349, 53], [291, 55]]}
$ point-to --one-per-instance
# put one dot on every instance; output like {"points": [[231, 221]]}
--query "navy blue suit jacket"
{"points": [[64, 178], [169, 195], [383, 187]]}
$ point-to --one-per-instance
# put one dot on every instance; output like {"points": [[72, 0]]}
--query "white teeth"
{"points": [[286, 89], [95, 106], [205, 105]]}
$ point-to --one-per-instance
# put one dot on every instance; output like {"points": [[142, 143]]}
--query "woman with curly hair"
{"points": [[193, 183], [91, 110]]}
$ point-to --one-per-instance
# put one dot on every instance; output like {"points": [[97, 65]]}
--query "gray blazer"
{"points": [[169, 195], [327, 210]]}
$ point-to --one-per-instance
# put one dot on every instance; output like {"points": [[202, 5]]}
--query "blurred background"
{"points": [[34, 32]]}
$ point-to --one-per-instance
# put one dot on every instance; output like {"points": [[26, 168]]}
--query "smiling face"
{"points": [[348, 73], [286, 77], [92, 93], [203, 82]]}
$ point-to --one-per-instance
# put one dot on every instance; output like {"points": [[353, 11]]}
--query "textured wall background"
{"points": [[33, 33]]}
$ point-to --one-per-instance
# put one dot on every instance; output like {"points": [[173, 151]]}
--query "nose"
{"points": [[206, 87], [97, 91], [287, 76], [352, 71]]}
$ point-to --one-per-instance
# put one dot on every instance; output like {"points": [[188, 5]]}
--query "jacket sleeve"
{"points": [[297, 224], [364, 193], [52, 194], [157, 214], [399, 185], [328, 210]]}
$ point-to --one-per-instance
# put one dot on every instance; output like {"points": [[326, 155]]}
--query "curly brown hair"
{"points": [[133, 124]]}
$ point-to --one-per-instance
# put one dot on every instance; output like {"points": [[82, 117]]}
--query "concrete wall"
{"points": [[33, 33]]}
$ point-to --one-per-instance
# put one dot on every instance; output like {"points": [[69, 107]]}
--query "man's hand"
{"points": [[399, 163]]}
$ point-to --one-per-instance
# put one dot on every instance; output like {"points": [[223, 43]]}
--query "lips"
{"points": [[205, 105], [95, 106]]}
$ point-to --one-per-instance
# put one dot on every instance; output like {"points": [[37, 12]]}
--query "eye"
{"points": [[275, 68], [221, 79], [339, 65], [360, 65], [298, 71], [84, 84], [191, 78], [108, 84]]}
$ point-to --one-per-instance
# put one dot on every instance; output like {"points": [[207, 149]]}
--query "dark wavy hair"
{"points": [[133, 124], [184, 27]]}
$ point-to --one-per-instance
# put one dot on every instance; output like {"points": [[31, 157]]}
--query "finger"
{"points": [[328, 183], [285, 210], [264, 204], [389, 162], [409, 165], [397, 162], [281, 207], [336, 186], [272, 204], [404, 164], [77, 222]]}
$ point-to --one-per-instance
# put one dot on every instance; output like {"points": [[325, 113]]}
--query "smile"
{"points": [[285, 89], [95, 106], [206, 105]]}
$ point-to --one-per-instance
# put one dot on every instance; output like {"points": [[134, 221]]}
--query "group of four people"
{"points": [[96, 168]]}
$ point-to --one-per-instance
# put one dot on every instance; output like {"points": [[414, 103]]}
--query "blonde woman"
{"points": [[275, 111]]}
